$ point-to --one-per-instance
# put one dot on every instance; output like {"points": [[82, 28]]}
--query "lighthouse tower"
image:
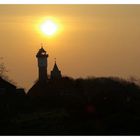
{"points": [[42, 57]]}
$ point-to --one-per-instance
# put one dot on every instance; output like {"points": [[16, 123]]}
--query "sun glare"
{"points": [[48, 27]]}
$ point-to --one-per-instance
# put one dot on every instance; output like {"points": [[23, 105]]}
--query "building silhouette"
{"points": [[8, 89], [42, 58], [43, 85], [56, 73]]}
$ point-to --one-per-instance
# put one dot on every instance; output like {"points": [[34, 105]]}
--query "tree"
{"points": [[3, 72]]}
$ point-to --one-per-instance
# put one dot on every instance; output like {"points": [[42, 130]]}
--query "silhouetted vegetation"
{"points": [[4, 71], [92, 106]]}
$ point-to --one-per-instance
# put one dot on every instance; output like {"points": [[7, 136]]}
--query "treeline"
{"points": [[92, 106]]}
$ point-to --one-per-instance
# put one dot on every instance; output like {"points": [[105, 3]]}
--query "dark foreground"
{"points": [[98, 106]]}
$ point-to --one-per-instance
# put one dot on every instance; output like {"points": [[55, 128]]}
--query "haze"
{"points": [[94, 40]]}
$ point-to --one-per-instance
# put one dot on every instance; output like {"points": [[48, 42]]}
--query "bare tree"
{"points": [[4, 71]]}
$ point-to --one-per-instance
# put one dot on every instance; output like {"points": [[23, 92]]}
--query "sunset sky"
{"points": [[91, 40]]}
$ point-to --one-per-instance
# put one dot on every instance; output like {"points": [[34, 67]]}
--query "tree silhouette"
{"points": [[4, 71]]}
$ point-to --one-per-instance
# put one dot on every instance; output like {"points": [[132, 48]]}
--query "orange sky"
{"points": [[94, 40]]}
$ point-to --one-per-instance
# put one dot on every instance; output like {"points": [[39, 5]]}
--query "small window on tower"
{"points": [[43, 53]]}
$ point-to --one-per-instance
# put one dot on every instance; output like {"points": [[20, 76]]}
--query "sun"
{"points": [[49, 27]]}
